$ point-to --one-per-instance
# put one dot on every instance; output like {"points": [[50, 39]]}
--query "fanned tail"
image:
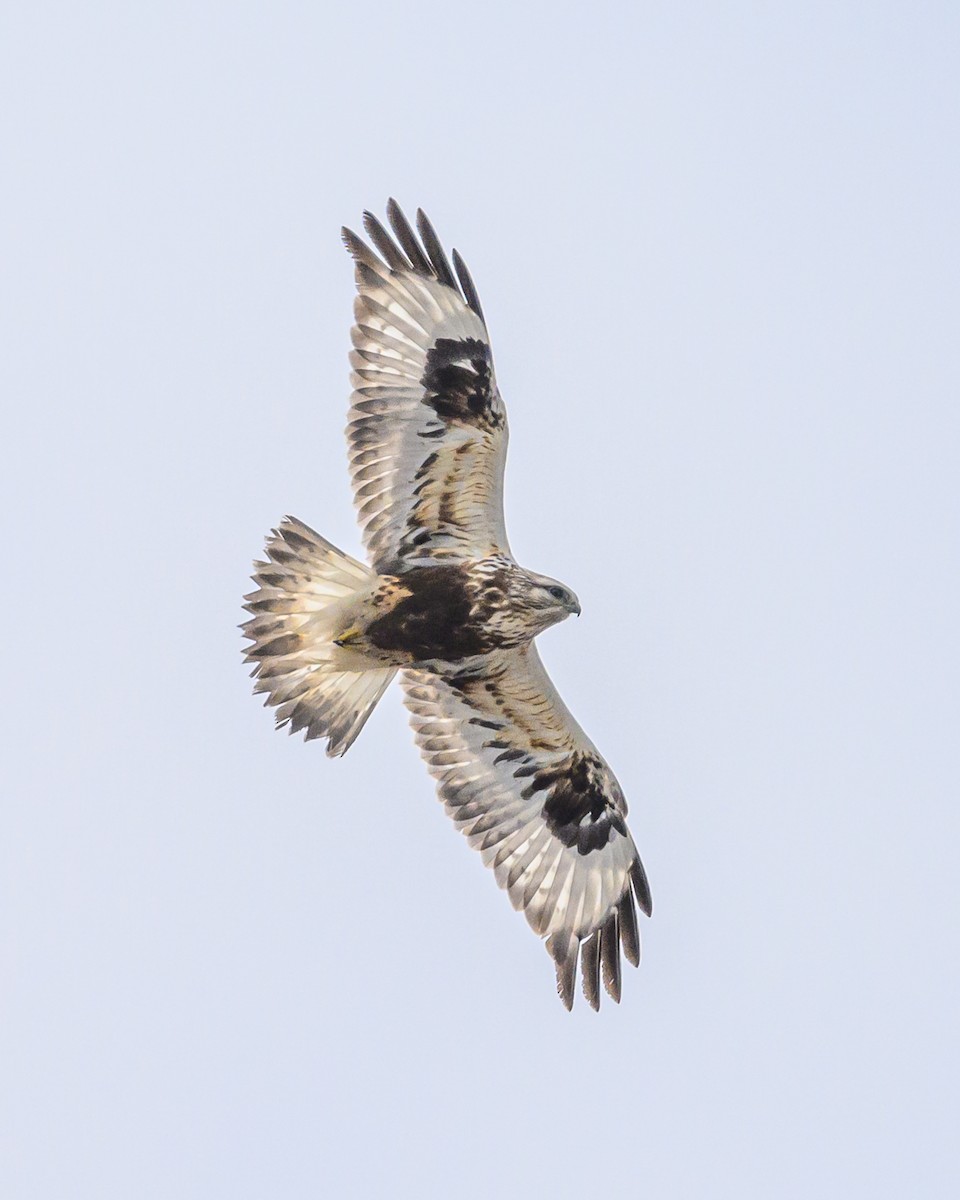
{"points": [[296, 610]]}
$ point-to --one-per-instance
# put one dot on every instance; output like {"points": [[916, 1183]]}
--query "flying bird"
{"points": [[444, 603]]}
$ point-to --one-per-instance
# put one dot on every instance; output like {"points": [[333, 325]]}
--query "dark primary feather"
{"points": [[385, 244], [629, 934], [610, 956], [467, 285], [407, 238], [357, 247], [563, 949], [435, 251], [590, 967], [642, 888]]}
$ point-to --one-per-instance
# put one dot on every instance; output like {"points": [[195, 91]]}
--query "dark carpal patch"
{"points": [[578, 809], [458, 383], [434, 620]]}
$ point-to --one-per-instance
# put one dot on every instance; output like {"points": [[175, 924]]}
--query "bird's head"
{"points": [[516, 604], [545, 601]]}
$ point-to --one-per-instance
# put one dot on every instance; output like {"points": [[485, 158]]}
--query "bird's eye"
{"points": [[556, 592]]}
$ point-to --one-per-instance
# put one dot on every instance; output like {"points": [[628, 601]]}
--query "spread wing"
{"points": [[427, 429], [533, 795]]}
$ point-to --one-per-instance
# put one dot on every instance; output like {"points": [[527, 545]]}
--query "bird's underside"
{"points": [[444, 602]]}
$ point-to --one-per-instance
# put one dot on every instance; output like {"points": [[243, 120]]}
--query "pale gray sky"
{"points": [[717, 249]]}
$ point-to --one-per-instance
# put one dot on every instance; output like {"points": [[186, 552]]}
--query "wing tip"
{"points": [[629, 933], [610, 956], [564, 950], [467, 286], [435, 251], [641, 887], [354, 244], [392, 254], [590, 969], [404, 250]]}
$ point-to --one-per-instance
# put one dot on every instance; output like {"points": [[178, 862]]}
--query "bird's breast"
{"points": [[434, 613]]}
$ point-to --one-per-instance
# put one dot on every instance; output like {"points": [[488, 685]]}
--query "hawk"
{"points": [[444, 603]]}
